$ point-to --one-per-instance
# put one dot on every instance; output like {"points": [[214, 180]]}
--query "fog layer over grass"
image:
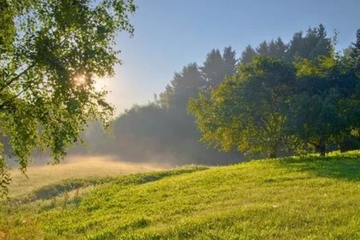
{"points": [[75, 167]]}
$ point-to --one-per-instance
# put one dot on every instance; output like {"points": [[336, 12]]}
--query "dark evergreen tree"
{"points": [[248, 54], [212, 68]]}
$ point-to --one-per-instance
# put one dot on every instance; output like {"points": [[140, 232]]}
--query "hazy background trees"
{"points": [[163, 130]]}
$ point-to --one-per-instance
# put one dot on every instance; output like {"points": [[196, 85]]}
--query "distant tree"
{"points": [[315, 43], [352, 54], [184, 85], [248, 54], [273, 48], [212, 68], [154, 134], [141, 132], [217, 66], [51, 51], [230, 61], [165, 127], [277, 48], [263, 49]]}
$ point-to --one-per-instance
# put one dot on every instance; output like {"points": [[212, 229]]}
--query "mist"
{"points": [[40, 173]]}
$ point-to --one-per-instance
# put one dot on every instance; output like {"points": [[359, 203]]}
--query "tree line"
{"points": [[295, 98], [277, 99]]}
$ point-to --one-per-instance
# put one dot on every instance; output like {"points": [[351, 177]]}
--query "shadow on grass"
{"points": [[341, 166]]}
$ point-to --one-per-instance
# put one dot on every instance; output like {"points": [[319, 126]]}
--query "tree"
{"points": [[349, 104], [230, 62], [140, 133], [217, 66], [273, 48], [315, 43], [325, 106], [51, 52], [247, 111], [248, 54], [213, 67], [277, 48]]}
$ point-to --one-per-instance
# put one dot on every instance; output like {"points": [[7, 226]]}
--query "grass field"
{"points": [[291, 198]]}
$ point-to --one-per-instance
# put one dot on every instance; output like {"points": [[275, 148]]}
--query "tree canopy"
{"points": [[300, 96], [51, 53]]}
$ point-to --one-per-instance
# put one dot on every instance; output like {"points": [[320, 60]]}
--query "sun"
{"points": [[79, 80]]}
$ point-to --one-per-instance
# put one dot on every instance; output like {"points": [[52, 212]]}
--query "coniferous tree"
{"points": [[248, 54]]}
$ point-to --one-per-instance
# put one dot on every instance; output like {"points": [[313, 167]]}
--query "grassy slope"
{"points": [[90, 167], [307, 198]]}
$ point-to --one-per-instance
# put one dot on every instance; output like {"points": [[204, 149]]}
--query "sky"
{"points": [[170, 34]]}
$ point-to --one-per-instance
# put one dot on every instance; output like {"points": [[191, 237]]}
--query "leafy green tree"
{"points": [[51, 51], [325, 107], [349, 104], [7, 33], [247, 111]]}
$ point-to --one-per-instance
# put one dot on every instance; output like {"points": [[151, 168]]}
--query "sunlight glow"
{"points": [[79, 80]]}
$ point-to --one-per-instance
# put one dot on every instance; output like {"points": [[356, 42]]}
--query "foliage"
{"points": [[304, 98], [315, 108], [315, 43], [51, 52], [216, 66], [247, 111], [309, 46]]}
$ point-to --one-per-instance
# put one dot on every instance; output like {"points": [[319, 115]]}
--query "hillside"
{"points": [[291, 198]]}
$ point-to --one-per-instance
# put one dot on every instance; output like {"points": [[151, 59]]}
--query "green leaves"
{"points": [[306, 95], [51, 44], [246, 111]]}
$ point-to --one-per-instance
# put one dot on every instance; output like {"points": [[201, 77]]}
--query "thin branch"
{"points": [[15, 96], [17, 77]]}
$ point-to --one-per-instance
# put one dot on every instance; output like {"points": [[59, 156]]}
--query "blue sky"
{"points": [[172, 33]]}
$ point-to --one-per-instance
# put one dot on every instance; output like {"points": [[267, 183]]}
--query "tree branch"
{"points": [[17, 77], [2, 105]]}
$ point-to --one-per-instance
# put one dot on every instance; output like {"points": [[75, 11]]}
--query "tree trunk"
{"points": [[272, 155], [322, 148], [273, 152]]}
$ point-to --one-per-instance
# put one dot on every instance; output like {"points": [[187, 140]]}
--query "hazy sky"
{"points": [[172, 33]]}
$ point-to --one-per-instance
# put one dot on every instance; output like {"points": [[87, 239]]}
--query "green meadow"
{"points": [[289, 198]]}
